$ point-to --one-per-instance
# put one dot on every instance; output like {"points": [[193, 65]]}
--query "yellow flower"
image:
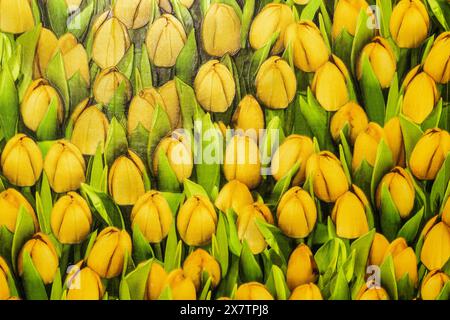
{"points": [[307, 291], [372, 293], [436, 246], [10, 11], [249, 117], [437, 63], [107, 82], [133, 13], [85, 284], [346, 16], [181, 286], [366, 145], [169, 95], [5, 292], [394, 138], [45, 50], [252, 291], [433, 284], [302, 268], [404, 259], [10, 201], [233, 195], [351, 114], [198, 262], [155, 282], [74, 56], [378, 249]]}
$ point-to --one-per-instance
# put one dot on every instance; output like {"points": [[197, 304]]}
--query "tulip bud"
{"points": [[169, 95], [36, 102], [409, 23], [302, 268], [90, 128], [214, 86], [327, 175], [382, 60], [43, 255], [401, 188], [420, 97], [196, 221], [10, 201], [350, 114], [276, 84], [306, 292], [4, 284], [331, 98], [437, 63], [233, 195], [346, 15], [433, 284], [142, 107], [394, 138], [296, 213], [107, 255], [252, 291], [221, 30], [165, 40], [21, 161], [125, 180], [366, 145], [133, 13], [429, 154], [308, 47], [294, 149], [74, 56], [436, 246], [273, 18], [248, 229], [85, 284], [249, 117], [111, 41], [404, 259], [153, 216], [372, 293], [181, 286], [10, 11], [378, 249], [155, 281], [167, 7], [45, 50], [242, 161], [64, 166], [107, 82], [177, 148], [198, 262], [71, 219]]}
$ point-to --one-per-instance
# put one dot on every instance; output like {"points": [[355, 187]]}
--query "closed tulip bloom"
{"points": [[302, 268], [21, 161], [437, 63], [65, 167], [214, 86], [221, 30], [201, 261], [349, 216], [296, 213], [10, 201], [404, 259], [153, 216], [248, 229], [133, 13], [165, 40], [309, 49], [197, 221], [382, 60], [394, 138], [276, 84], [401, 188], [307, 291], [372, 293], [45, 49], [111, 41], [155, 282], [71, 219], [294, 149], [233, 195], [169, 95], [252, 291], [409, 23], [436, 246], [242, 161], [331, 97], [429, 154], [328, 177], [420, 97], [249, 117], [10, 11], [433, 284], [142, 107], [86, 285], [346, 16], [125, 180], [273, 18], [350, 114], [366, 145], [74, 56], [167, 7], [177, 149], [4, 285], [378, 249], [181, 286], [43, 255], [90, 128], [107, 82], [36, 103], [107, 255]]}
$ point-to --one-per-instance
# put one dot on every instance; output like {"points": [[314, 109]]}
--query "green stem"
{"points": [[64, 260], [158, 252]]}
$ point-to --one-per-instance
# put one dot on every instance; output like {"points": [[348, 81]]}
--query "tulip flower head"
{"points": [[302, 268], [252, 291]]}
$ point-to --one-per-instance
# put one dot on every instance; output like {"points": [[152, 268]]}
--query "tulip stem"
{"points": [[77, 253], [158, 252], [64, 261]]}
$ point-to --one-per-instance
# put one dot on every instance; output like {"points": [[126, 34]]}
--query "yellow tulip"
{"points": [[155, 282], [10, 201], [372, 293], [436, 246], [4, 285], [233, 195], [133, 13], [346, 15], [169, 95], [167, 7], [366, 145], [302, 268], [73, 5], [181, 286], [74, 56], [307, 291], [107, 82], [107, 255], [378, 249], [249, 117], [10, 11], [252, 291], [433, 284], [437, 63], [276, 84], [198, 262], [142, 107], [404, 259], [394, 138], [45, 49], [296, 213], [351, 114], [85, 284]]}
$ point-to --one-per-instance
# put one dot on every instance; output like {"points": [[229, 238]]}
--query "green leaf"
{"points": [[390, 217], [160, 127], [90, 243], [385, 16], [56, 74], [411, 134], [363, 34], [405, 288], [387, 276], [372, 93], [116, 142], [28, 42], [411, 227], [138, 141], [277, 282], [440, 185], [340, 289], [32, 282], [234, 242], [57, 286], [167, 179], [432, 121], [362, 177], [361, 247], [247, 16], [58, 14], [393, 102], [145, 69], [260, 56], [249, 267], [222, 244], [96, 169], [171, 248], [23, 232], [283, 185], [78, 25], [438, 8], [142, 250], [342, 46], [48, 128], [310, 10], [383, 163], [187, 60], [137, 280], [188, 103], [125, 65], [9, 104], [116, 106], [192, 189], [78, 90], [6, 240]]}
